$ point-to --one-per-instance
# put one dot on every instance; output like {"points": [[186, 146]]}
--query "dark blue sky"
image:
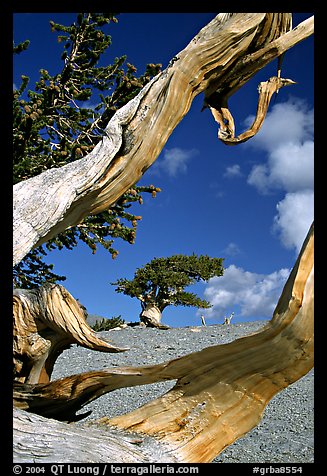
{"points": [[250, 204]]}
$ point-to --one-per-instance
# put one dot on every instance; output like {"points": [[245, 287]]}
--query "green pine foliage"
{"points": [[62, 119], [105, 324], [162, 281]]}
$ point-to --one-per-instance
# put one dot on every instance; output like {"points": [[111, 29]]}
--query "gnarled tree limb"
{"points": [[43, 440], [221, 391], [225, 120], [50, 202], [48, 320]]}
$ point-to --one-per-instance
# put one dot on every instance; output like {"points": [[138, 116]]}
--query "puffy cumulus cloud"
{"points": [[295, 215], [287, 139], [289, 167], [255, 294], [288, 122], [173, 161]]}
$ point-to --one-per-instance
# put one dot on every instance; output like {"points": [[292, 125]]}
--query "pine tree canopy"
{"points": [[62, 119], [162, 281]]}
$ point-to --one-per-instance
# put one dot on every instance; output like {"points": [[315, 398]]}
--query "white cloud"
{"points": [[233, 171], [259, 178], [88, 104], [174, 161], [288, 122], [295, 215], [255, 294], [289, 167], [292, 166], [287, 139]]}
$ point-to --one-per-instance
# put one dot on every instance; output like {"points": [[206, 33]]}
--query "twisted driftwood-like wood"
{"points": [[41, 440], [225, 119], [47, 321], [222, 57], [220, 392]]}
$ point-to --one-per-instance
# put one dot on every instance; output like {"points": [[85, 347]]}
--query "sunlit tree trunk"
{"points": [[151, 316]]}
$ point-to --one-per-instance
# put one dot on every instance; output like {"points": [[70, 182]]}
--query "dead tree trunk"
{"points": [[221, 391], [46, 322]]}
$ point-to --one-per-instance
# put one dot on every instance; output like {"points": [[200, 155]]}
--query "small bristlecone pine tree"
{"points": [[162, 283]]}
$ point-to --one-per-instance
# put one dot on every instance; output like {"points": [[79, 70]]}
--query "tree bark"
{"points": [[41, 440], [47, 321], [151, 317], [231, 46], [225, 119], [221, 391]]}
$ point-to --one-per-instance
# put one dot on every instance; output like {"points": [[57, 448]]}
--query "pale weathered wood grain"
{"points": [[220, 392]]}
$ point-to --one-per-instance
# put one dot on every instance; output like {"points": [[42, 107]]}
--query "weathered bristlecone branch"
{"points": [[221, 58], [220, 392], [48, 320], [225, 119], [40, 440]]}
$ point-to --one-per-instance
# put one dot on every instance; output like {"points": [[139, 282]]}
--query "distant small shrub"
{"points": [[106, 324]]}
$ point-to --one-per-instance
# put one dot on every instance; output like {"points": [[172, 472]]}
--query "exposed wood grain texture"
{"points": [[222, 57], [220, 392], [225, 119], [41, 440], [48, 320]]}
